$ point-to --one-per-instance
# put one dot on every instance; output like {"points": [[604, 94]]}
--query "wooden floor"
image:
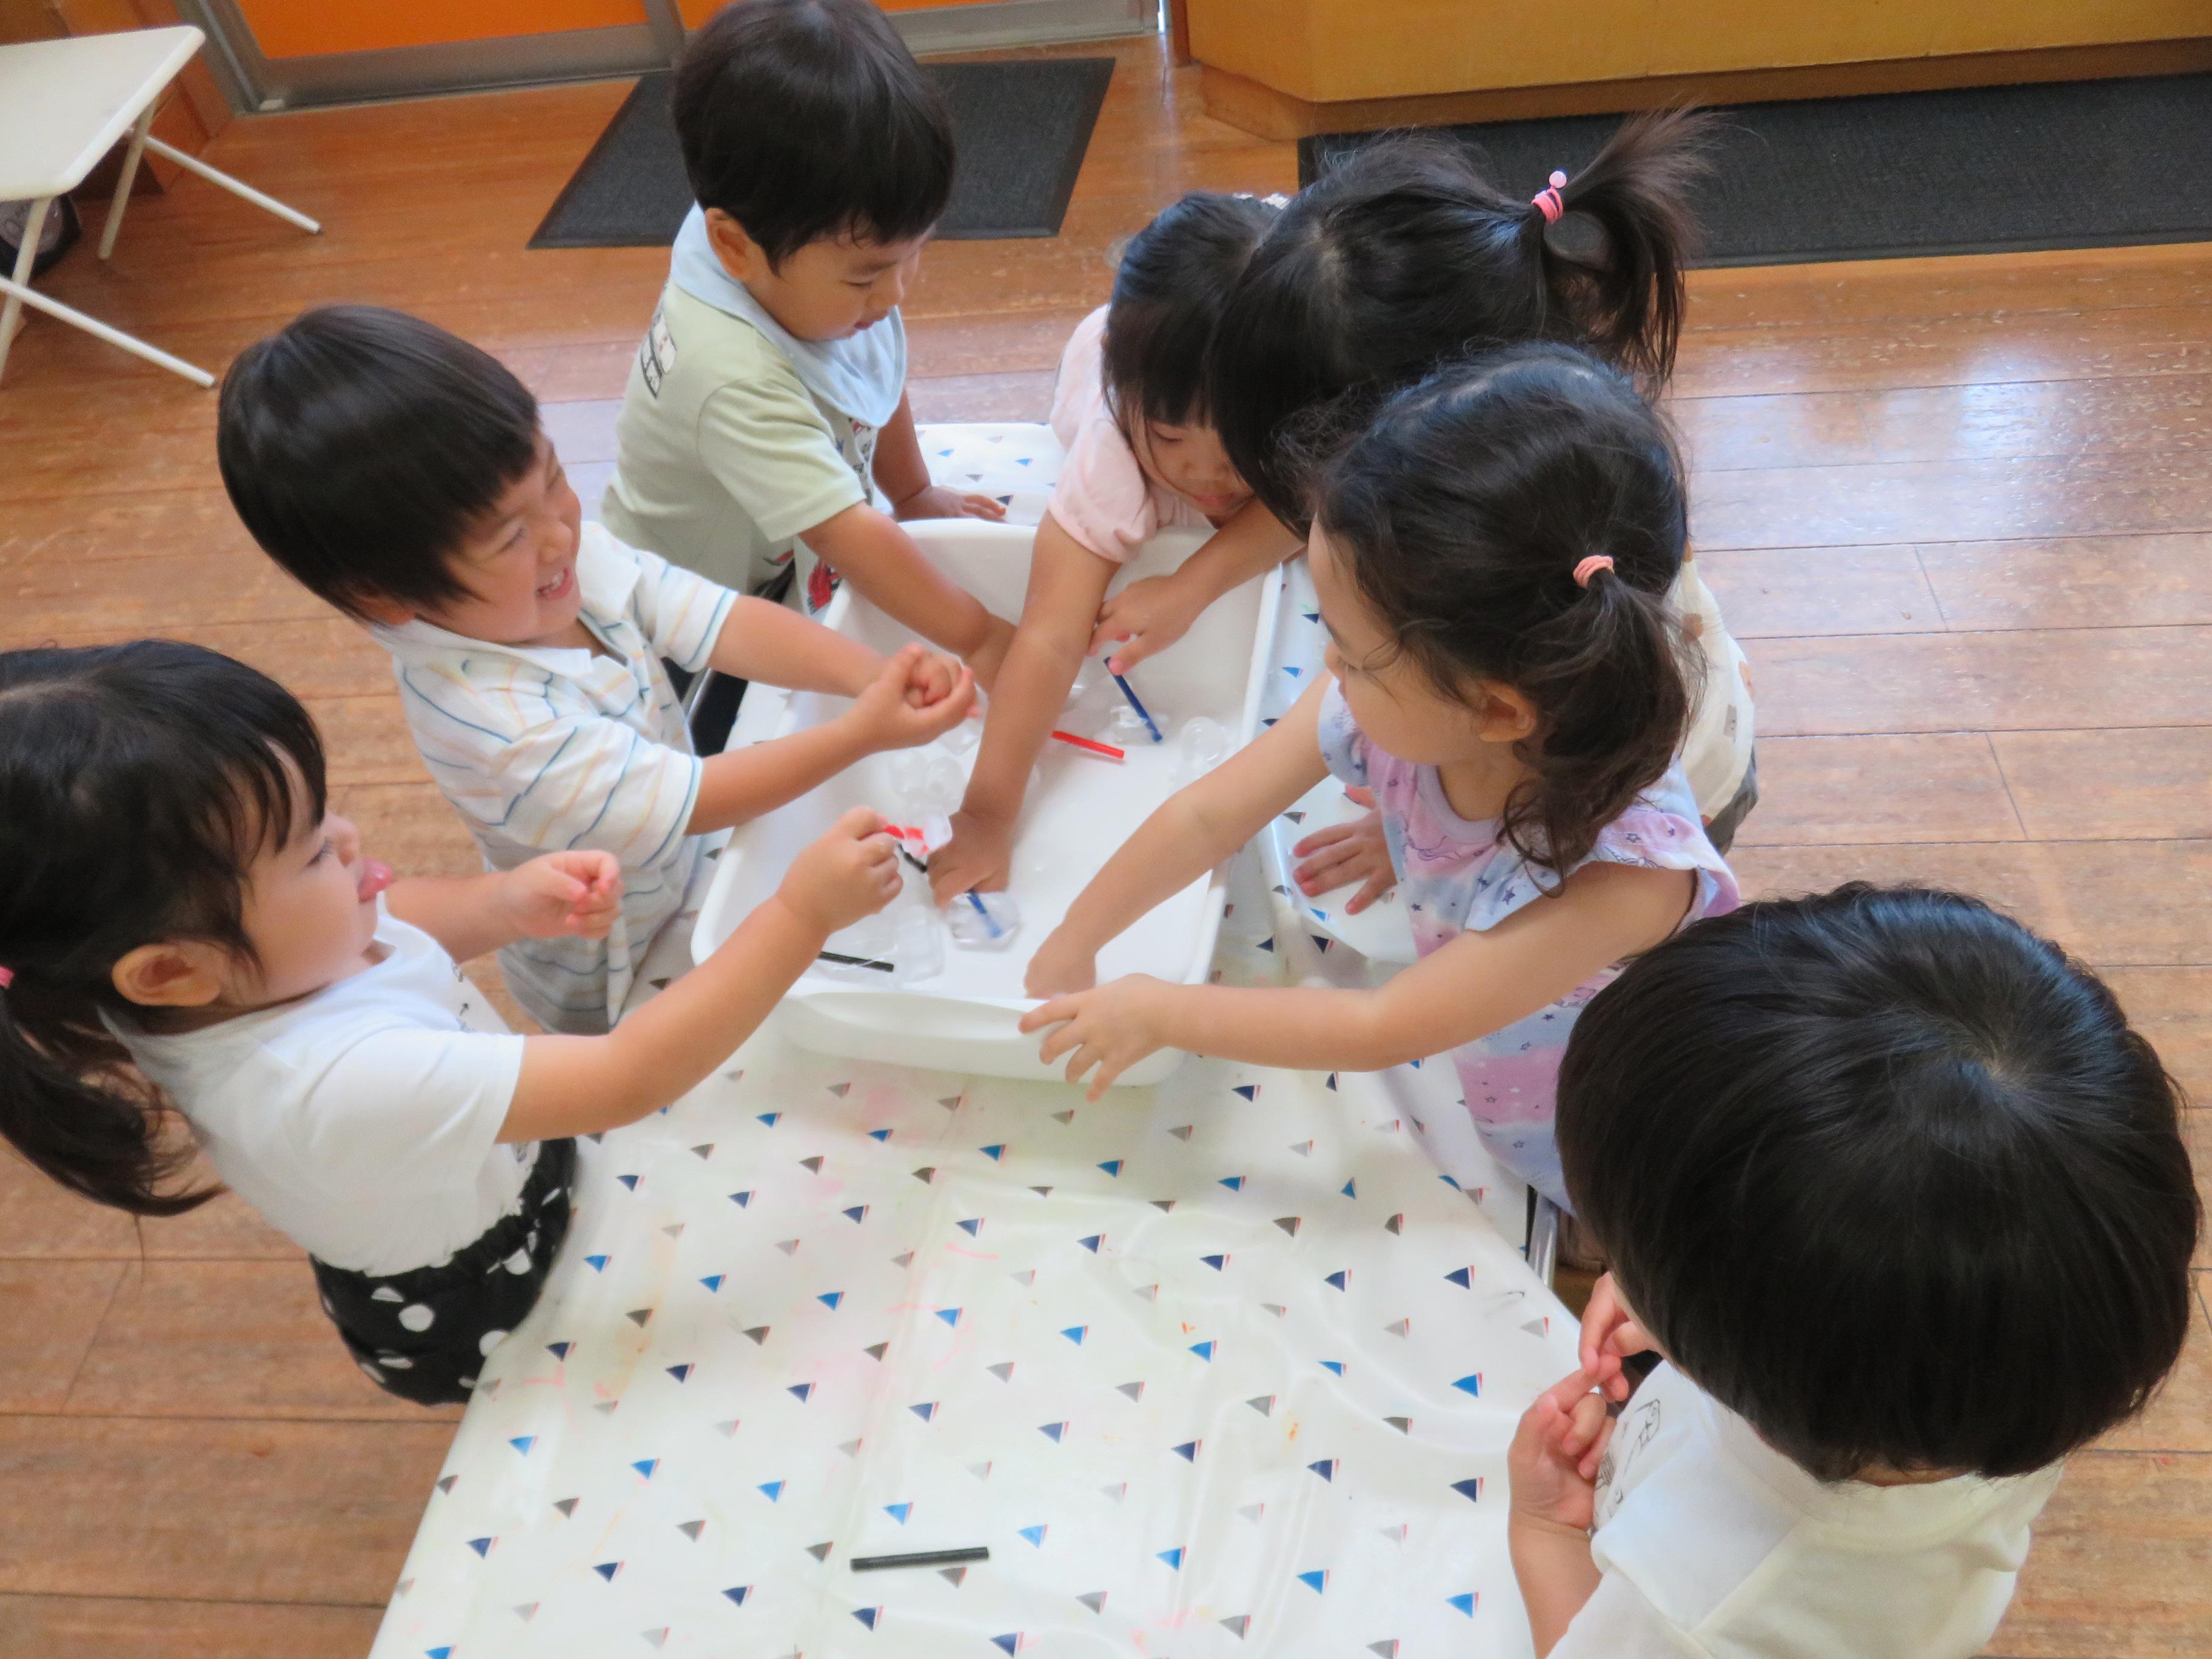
{"points": [[1959, 510]]}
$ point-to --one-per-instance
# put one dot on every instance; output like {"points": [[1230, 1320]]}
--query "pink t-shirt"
{"points": [[1103, 498]]}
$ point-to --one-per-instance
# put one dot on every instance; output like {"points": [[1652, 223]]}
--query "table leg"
{"points": [[139, 131], [19, 292], [34, 225], [235, 187]]}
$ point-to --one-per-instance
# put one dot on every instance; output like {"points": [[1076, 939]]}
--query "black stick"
{"points": [[921, 1559], [844, 961]]}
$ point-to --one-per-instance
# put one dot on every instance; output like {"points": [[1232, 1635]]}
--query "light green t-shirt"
{"points": [[723, 456]]}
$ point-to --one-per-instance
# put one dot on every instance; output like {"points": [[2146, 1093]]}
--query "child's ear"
{"points": [[390, 613], [170, 973], [740, 255], [1505, 716]]}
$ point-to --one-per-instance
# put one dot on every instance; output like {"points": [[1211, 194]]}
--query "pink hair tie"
{"points": [[1549, 201], [6, 977], [1590, 567]]}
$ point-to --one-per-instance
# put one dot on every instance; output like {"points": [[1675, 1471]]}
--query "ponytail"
{"points": [[1519, 518], [1404, 258], [1611, 677], [137, 783], [71, 1106], [1624, 300]]}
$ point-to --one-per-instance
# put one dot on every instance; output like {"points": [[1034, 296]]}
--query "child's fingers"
{"points": [[1320, 838], [1133, 650], [1593, 1453], [1584, 1422], [1569, 1390], [1064, 1040], [1599, 1315], [1081, 1062], [1332, 865], [1627, 1338], [1052, 1012], [858, 823], [1376, 887]]}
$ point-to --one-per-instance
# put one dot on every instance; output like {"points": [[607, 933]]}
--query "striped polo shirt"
{"points": [[541, 751]]}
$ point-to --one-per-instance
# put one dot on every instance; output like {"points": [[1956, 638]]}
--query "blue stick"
{"points": [[1130, 692], [997, 932]]}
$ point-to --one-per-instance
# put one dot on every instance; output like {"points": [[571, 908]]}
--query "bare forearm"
{"points": [[579, 1086], [1302, 1029], [1556, 1573], [1251, 543], [462, 912], [900, 469], [741, 785], [881, 560], [1031, 689], [778, 647]]}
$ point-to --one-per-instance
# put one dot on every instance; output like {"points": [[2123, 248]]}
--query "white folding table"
{"points": [[63, 104]]}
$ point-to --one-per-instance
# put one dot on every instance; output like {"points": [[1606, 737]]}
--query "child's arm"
{"points": [[573, 892], [1553, 1465], [1193, 831], [579, 1086], [904, 701], [881, 560], [775, 644], [1066, 580], [1479, 983], [903, 476], [1146, 617]]}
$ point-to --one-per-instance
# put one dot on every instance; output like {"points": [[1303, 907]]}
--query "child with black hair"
{"points": [[401, 474], [1904, 1204], [1403, 256], [177, 894], [767, 409], [1130, 411], [1493, 557]]}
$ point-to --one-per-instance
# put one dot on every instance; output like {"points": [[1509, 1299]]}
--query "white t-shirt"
{"points": [[360, 1122], [546, 750], [1714, 1544]]}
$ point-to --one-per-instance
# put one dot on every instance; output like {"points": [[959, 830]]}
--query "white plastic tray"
{"points": [[1079, 810]]}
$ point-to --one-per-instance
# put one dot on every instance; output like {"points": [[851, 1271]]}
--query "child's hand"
{"points": [[933, 678], [986, 658], [1112, 1028], [1553, 1460], [978, 856], [1143, 619], [562, 893], [851, 872], [885, 716], [939, 502], [1061, 965], [1610, 1334], [1344, 854]]}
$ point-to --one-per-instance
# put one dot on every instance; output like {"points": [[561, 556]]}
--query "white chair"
{"points": [[63, 105]]}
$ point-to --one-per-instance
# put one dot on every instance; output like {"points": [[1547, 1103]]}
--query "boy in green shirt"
{"points": [[768, 407]]}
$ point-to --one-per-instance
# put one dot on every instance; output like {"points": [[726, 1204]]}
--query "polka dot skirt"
{"points": [[424, 1334]]}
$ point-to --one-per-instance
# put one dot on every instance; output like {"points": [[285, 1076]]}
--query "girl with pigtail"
{"points": [[195, 948], [1492, 557], [1406, 256]]}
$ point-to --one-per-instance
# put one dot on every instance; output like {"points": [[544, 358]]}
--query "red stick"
{"points": [[1106, 749]]}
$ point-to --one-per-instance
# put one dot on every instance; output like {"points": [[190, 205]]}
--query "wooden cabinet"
{"points": [[1286, 68]]}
